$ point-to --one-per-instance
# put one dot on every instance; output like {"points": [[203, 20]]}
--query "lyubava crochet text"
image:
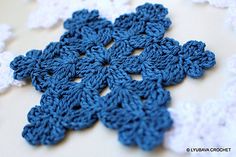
{"points": [[136, 109]]}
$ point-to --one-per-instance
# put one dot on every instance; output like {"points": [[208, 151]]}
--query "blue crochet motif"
{"points": [[136, 109]]}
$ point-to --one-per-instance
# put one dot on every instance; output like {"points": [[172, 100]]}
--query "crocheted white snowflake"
{"points": [[216, 3], [229, 4], [207, 125], [6, 73], [5, 35], [231, 20], [49, 12]]}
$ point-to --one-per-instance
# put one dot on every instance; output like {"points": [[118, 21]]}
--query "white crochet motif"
{"points": [[5, 35], [229, 4], [49, 12], [208, 125], [216, 3], [6, 73]]}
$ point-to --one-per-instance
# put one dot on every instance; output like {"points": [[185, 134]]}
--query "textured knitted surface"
{"points": [[231, 9], [62, 9], [6, 73], [136, 109], [211, 124]]}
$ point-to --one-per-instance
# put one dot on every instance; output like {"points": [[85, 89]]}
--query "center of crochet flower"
{"points": [[105, 63]]}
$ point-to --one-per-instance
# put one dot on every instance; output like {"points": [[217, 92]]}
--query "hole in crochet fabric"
{"points": [[63, 114], [142, 98], [137, 77], [76, 107], [137, 52], [50, 73], [119, 105], [105, 64], [105, 91], [109, 44], [81, 55], [78, 80]]}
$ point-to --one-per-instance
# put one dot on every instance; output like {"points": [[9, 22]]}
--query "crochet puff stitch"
{"points": [[136, 109]]}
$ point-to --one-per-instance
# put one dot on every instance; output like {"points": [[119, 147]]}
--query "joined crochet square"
{"points": [[136, 108]]}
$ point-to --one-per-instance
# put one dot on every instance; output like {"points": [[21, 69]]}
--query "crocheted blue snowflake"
{"points": [[137, 109]]}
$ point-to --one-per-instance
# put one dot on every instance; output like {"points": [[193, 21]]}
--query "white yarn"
{"points": [[5, 32], [231, 19], [216, 3], [208, 125], [49, 12], [6, 73], [229, 4]]}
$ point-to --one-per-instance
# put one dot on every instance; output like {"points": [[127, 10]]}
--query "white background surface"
{"points": [[190, 21]]}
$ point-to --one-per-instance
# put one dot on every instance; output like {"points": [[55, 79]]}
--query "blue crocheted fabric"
{"points": [[136, 109]]}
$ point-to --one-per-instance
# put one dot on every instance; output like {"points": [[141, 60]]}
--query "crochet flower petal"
{"points": [[156, 30], [146, 132], [81, 111], [196, 59], [61, 109], [143, 119], [80, 18], [115, 113], [23, 66], [152, 11], [88, 34], [155, 13], [147, 129], [132, 65], [43, 129], [138, 23]]}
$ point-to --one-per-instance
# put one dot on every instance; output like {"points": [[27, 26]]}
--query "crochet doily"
{"points": [[229, 4], [6, 73], [136, 109], [62, 9], [208, 125]]}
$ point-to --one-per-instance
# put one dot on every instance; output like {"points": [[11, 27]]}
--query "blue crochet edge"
{"points": [[136, 109]]}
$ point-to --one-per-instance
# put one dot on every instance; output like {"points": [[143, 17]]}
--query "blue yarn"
{"points": [[136, 109]]}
